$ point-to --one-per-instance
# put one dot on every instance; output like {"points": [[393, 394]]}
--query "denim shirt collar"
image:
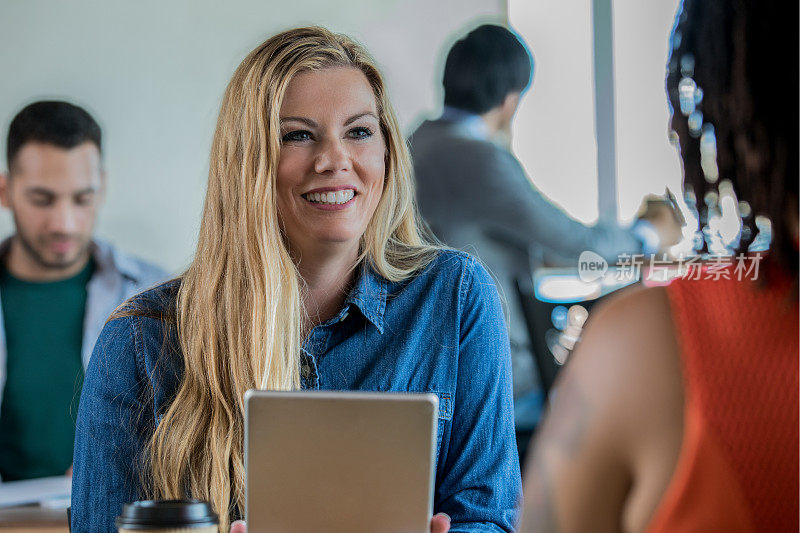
{"points": [[368, 295]]}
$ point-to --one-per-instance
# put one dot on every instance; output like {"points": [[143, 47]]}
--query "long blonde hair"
{"points": [[239, 309]]}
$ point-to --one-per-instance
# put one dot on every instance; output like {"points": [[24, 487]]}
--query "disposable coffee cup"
{"points": [[168, 516]]}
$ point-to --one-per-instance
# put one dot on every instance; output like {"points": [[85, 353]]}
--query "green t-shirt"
{"points": [[44, 373]]}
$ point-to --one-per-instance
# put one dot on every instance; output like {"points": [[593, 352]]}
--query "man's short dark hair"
{"points": [[58, 123], [484, 67]]}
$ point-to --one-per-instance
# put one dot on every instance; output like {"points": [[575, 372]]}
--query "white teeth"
{"points": [[337, 197]]}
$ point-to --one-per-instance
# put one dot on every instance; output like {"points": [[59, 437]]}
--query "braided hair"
{"points": [[732, 82]]}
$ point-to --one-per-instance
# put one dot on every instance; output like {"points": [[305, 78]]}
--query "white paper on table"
{"points": [[45, 490]]}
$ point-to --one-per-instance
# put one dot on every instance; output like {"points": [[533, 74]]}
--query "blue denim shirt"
{"points": [[441, 331]]}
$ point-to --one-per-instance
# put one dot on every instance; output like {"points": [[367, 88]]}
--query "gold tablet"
{"points": [[339, 461]]}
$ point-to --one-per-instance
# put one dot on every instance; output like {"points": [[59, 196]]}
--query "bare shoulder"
{"points": [[629, 333], [629, 367], [611, 438], [628, 359], [630, 320]]}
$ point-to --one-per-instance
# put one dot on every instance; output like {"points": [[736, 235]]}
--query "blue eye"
{"points": [[360, 133], [297, 135]]}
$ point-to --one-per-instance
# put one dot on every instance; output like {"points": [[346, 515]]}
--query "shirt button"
{"points": [[344, 316], [305, 371]]}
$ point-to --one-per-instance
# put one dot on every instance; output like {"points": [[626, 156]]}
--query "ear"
{"points": [[5, 193], [510, 104]]}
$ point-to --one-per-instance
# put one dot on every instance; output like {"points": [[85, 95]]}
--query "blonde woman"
{"points": [[311, 272]]}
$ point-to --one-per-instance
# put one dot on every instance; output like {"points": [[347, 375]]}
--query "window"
{"points": [[554, 128], [554, 132]]}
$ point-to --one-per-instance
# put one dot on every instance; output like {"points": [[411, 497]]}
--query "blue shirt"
{"points": [[440, 331]]}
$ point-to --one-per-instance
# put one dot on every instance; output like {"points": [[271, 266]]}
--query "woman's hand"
{"points": [[440, 523]]}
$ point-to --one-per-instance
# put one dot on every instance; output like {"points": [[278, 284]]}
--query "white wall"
{"points": [[152, 73]]}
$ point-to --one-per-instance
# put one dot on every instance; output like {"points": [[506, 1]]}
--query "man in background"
{"points": [[475, 195], [57, 284]]}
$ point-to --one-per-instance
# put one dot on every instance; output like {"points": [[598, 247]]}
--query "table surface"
{"points": [[34, 519]]}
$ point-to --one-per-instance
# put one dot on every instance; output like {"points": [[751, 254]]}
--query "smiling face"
{"points": [[332, 161]]}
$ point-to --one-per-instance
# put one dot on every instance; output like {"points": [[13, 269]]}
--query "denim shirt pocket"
{"points": [[445, 416]]}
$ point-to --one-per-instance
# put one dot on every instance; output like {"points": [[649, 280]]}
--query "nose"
{"points": [[63, 218], [332, 157]]}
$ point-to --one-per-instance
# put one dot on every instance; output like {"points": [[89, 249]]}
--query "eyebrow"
{"points": [[304, 120], [47, 192], [313, 124], [360, 115]]}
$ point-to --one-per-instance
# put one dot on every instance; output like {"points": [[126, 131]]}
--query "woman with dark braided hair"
{"points": [[679, 409]]}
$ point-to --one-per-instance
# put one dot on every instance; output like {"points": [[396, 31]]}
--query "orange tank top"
{"points": [[738, 466]]}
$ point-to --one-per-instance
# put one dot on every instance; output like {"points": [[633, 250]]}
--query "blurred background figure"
{"points": [[679, 409], [157, 99], [57, 284], [475, 195]]}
